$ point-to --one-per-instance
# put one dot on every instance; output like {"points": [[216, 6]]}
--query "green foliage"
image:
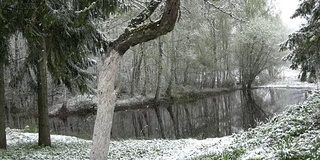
{"points": [[6, 28], [232, 153], [67, 31], [74, 150]]}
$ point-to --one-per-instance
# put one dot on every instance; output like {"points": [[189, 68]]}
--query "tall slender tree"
{"points": [[3, 143], [6, 29]]}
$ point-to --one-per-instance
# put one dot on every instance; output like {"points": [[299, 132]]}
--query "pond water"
{"points": [[210, 117]]}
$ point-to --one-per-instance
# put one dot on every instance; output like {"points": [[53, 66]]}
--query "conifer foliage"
{"points": [[60, 36], [304, 43]]}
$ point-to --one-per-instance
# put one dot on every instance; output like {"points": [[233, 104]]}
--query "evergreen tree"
{"points": [[60, 37], [6, 29], [304, 43]]}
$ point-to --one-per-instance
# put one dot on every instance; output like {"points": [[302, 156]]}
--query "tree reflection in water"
{"points": [[205, 118], [251, 111]]}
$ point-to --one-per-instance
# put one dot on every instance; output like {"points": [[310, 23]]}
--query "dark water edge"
{"points": [[214, 116]]}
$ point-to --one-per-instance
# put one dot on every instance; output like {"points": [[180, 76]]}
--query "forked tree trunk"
{"points": [[108, 70], [3, 142], [44, 129]]}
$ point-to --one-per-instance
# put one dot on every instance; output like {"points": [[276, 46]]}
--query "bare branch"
{"points": [[86, 8], [224, 11]]}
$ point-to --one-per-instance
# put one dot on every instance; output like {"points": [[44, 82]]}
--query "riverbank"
{"points": [[294, 134], [83, 104], [88, 103]]}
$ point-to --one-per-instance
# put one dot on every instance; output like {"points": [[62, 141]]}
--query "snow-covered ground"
{"points": [[75, 148]]}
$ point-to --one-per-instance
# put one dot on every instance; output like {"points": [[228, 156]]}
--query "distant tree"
{"points": [[304, 43], [256, 48]]}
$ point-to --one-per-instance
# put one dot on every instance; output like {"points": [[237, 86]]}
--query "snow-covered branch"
{"points": [[224, 11], [86, 8]]}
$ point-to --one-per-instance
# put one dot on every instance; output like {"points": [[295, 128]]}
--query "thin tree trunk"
{"points": [[215, 79], [44, 129], [138, 66], [160, 121], [3, 142], [157, 94], [185, 74], [146, 76], [133, 75], [108, 68], [172, 67], [136, 72]]}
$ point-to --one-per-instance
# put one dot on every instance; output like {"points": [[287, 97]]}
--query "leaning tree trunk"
{"points": [[108, 70], [108, 67], [3, 142], [44, 129]]}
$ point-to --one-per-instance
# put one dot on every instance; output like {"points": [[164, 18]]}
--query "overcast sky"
{"points": [[287, 8]]}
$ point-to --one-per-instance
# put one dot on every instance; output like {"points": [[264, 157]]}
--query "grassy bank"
{"points": [[294, 134]]}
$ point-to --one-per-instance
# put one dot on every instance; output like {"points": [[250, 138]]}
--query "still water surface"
{"points": [[215, 116]]}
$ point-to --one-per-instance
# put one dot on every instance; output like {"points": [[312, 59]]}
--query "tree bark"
{"points": [[3, 142], [108, 68], [44, 129]]}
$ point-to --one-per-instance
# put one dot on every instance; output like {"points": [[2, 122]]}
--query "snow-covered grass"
{"points": [[23, 145], [294, 134]]}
